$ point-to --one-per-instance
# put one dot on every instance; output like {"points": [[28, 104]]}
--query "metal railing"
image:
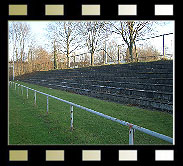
{"points": [[131, 126]]}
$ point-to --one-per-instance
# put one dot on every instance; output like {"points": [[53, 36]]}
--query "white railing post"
{"points": [[34, 97], [27, 93], [47, 104], [71, 110], [22, 89], [131, 136]]}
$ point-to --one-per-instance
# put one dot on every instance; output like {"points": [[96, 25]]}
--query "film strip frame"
{"points": [[85, 155], [86, 10]]}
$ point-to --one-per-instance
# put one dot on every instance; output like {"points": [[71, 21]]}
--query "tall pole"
{"points": [[13, 55], [105, 48], [163, 46], [13, 68], [105, 53]]}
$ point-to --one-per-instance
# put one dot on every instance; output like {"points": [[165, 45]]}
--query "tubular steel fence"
{"points": [[131, 126]]}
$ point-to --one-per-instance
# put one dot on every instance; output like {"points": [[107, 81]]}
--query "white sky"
{"points": [[38, 28], [39, 31]]}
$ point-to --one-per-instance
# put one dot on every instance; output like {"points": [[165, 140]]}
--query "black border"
{"points": [[72, 11]]}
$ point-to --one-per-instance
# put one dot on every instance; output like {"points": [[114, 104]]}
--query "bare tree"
{"points": [[65, 37], [19, 34], [93, 33], [130, 31], [148, 53], [41, 58], [112, 50]]}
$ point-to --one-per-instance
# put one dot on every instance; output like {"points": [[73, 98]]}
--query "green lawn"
{"points": [[29, 124]]}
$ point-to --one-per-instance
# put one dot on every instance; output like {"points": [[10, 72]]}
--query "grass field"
{"points": [[30, 125]]}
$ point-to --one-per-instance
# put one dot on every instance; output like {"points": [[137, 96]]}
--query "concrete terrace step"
{"points": [[157, 80], [117, 85], [168, 81], [131, 74], [140, 65], [156, 95], [127, 85], [96, 75], [134, 85], [154, 84], [120, 98], [162, 67], [102, 70], [148, 85]]}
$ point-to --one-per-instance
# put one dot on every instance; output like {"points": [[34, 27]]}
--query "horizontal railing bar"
{"points": [[144, 130]]}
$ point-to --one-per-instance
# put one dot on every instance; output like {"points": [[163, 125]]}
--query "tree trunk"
{"points": [[68, 61], [55, 58], [103, 57], [68, 58], [136, 54], [55, 61], [131, 51], [92, 58], [21, 63]]}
